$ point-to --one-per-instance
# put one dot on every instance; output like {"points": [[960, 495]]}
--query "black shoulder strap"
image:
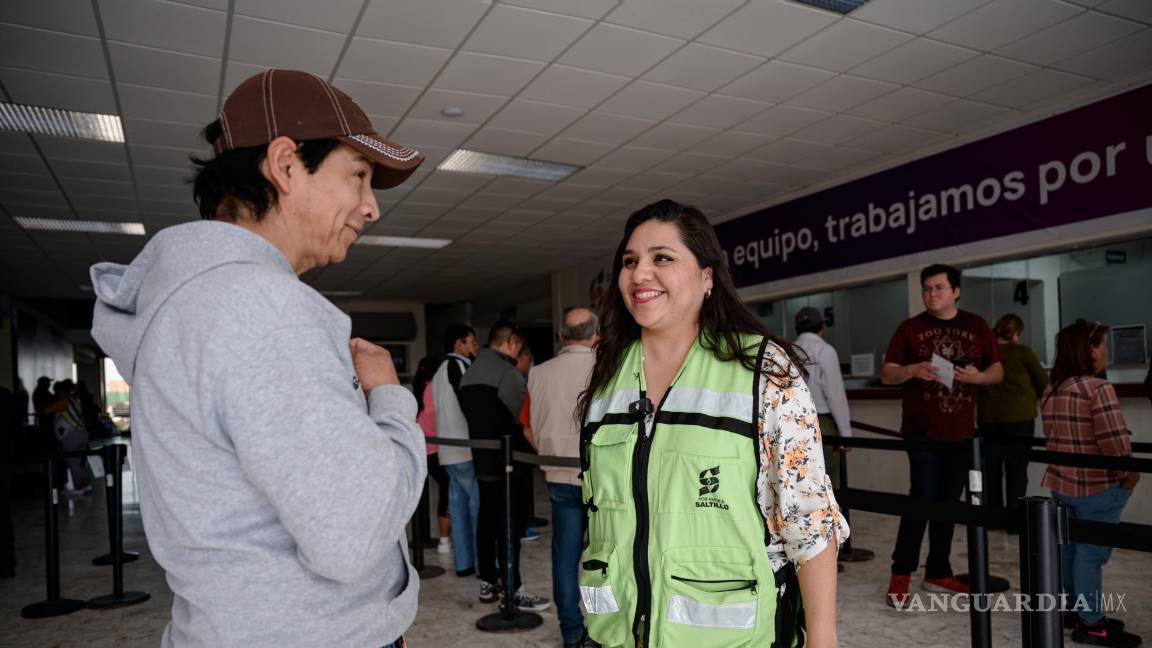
{"points": [[757, 386]]}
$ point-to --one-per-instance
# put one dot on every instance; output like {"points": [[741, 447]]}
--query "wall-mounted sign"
{"points": [[1088, 163], [1129, 346]]}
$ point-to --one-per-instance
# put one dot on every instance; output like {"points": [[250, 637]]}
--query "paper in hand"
{"points": [[945, 371]]}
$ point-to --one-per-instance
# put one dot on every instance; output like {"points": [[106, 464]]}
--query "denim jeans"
{"points": [[463, 509], [568, 525], [938, 476], [1080, 564]]}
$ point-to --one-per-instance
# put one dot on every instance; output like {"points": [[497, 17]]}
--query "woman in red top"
{"points": [[1082, 414]]}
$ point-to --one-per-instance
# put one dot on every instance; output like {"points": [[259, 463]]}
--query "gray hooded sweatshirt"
{"points": [[273, 493]]}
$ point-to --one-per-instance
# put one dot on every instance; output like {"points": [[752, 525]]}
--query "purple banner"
{"points": [[1088, 163]]}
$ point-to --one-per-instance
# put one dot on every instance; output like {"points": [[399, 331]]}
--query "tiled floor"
{"points": [[448, 606]]}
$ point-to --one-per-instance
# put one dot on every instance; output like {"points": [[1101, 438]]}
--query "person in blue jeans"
{"points": [[1081, 565]]}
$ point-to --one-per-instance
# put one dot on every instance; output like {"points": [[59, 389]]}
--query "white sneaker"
{"points": [[445, 546]]}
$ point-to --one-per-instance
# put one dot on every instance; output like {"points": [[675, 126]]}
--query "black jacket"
{"points": [[491, 395]]}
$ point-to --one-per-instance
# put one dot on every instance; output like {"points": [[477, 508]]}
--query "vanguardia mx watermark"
{"points": [[1014, 603]]}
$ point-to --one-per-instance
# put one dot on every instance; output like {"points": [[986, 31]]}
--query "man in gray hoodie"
{"points": [[277, 461]]}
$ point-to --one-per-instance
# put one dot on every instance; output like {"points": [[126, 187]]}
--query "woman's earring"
{"points": [[707, 293]]}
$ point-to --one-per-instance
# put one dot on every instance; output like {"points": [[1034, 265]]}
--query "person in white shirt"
{"points": [[826, 384]]}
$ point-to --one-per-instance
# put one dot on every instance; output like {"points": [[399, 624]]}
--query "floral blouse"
{"points": [[793, 490]]}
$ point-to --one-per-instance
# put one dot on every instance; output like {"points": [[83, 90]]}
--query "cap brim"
{"points": [[394, 162]]}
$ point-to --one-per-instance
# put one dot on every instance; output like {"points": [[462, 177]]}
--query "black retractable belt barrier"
{"points": [[1044, 530], [105, 560], [980, 615], [419, 519], [509, 619], [114, 461], [53, 605], [848, 553]]}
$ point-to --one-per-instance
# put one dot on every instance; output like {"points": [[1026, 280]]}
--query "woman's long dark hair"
{"points": [[425, 369], [1074, 345], [723, 316]]}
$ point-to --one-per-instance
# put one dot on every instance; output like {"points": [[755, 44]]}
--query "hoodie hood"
{"points": [[129, 296]]}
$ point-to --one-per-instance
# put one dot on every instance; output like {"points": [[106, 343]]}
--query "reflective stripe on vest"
{"points": [[676, 536]]}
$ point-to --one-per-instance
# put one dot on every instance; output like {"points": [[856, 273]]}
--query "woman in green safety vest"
{"points": [[710, 515]]}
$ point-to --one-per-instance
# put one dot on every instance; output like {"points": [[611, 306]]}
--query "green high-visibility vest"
{"points": [[677, 542]]}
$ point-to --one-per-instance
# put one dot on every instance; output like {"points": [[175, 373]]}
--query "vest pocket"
{"points": [[714, 487], [602, 594], [610, 458], [714, 599]]}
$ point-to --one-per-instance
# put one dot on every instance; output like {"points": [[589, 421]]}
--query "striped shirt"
{"points": [[1082, 415]]}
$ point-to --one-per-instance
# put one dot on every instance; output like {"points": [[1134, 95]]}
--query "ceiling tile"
{"points": [[1117, 61], [785, 151], [844, 45], [156, 103], [426, 132], [608, 128], [388, 62], [584, 9], [767, 27], [655, 180], [1003, 21], [840, 93], [32, 181], [477, 107], [598, 176], [570, 151], [256, 42], [723, 178], [732, 143], [1069, 38], [56, 15], [146, 175], [51, 52], [673, 137], [12, 163], [600, 49], [163, 69], [956, 116], [702, 67], [838, 129], [14, 143], [691, 163], [836, 158], [535, 117], [634, 157], [901, 104], [776, 81], [782, 120], [439, 23], [236, 73], [1135, 9], [975, 75], [332, 15], [913, 61], [504, 142], [525, 33], [165, 156], [679, 18], [573, 87], [927, 15], [59, 91], [74, 149], [718, 111], [379, 98], [162, 133], [487, 74], [1031, 88], [894, 139], [164, 25], [652, 100]]}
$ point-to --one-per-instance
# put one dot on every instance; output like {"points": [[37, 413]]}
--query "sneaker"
{"points": [[1070, 618], [898, 590], [489, 592], [529, 601], [531, 535], [583, 642], [1101, 634], [445, 546], [946, 584]]}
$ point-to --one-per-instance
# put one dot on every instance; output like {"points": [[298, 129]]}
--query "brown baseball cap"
{"points": [[304, 107]]}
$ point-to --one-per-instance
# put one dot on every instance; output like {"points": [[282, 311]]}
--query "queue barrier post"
{"points": [[419, 522], [114, 462], [980, 617], [104, 560], [848, 553], [509, 619], [1044, 530], [52, 605]]}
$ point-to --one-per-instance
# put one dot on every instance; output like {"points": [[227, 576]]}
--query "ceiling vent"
{"points": [[465, 161], [839, 6]]}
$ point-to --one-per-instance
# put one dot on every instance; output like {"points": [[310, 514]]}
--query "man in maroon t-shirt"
{"points": [[933, 410]]}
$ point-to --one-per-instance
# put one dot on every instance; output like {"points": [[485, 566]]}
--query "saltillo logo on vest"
{"points": [[710, 483]]}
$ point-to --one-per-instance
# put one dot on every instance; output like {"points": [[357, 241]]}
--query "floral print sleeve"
{"points": [[793, 490]]}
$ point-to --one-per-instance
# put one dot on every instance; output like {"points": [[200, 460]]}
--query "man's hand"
{"points": [[1128, 482], [373, 364], [924, 371]]}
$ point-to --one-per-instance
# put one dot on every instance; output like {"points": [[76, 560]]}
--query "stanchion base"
{"points": [[430, 571], [995, 583], [118, 600], [855, 555], [106, 559], [52, 608], [519, 622]]}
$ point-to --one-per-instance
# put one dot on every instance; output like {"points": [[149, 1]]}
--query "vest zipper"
{"points": [[642, 630]]}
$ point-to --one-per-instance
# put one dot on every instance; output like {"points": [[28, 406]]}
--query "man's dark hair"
{"points": [[456, 333], [940, 268], [233, 177], [809, 327], [580, 332], [503, 331]]}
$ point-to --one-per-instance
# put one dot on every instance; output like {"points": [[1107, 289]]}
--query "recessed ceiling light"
{"points": [[62, 123], [839, 6], [452, 111], [466, 161], [93, 227], [403, 241]]}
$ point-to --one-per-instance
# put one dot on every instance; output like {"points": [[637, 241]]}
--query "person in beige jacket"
{"points": [[551, 427]]}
